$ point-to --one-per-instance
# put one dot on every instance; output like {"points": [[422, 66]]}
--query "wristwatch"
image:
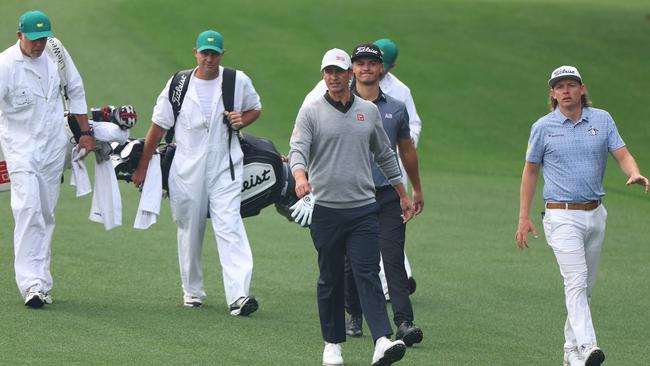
{"points": [[88, 132]]}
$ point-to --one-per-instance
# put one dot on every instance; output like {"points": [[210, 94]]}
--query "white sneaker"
{"points": [[592, 355], [192, 301], [388, 352], [573, 358], [34, 298], [47, 299], [332, 355]]}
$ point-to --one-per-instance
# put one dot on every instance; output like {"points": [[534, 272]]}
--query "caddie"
{"points": [[571, 145], [206, 173], [33, 140], [332, 140]]}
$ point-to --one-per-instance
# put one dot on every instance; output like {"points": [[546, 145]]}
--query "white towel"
{"points": [[107, 202], [109, 132], [149, 207], [79, 177]]}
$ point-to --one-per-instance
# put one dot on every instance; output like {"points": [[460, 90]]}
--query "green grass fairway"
{"points": [[478, 72]]}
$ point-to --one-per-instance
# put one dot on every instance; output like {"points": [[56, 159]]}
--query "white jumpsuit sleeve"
{"points": [[414, 119], [163, 114], [318, 91], [248, 96], [76, 91]]}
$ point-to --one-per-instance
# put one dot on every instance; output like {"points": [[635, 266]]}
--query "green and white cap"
{"points": [[210, 40], [389, 51], [34, 24]]}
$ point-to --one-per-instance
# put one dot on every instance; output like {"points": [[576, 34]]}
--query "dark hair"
{"points": [[586, 102]]}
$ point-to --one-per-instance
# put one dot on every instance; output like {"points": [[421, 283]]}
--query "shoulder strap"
{"points": [[177, 90], [228, 95], [54, 49], [228, 88]]}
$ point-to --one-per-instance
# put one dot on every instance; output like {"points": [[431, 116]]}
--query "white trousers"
{"points": [[33, 199], [576, 237], [190, 211], [382, 274]]}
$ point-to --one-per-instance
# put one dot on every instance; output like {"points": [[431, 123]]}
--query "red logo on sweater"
{"points": [[360, 117]]}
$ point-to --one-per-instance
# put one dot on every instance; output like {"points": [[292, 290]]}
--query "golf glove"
{"points": [[301, 210], [103, 151]]}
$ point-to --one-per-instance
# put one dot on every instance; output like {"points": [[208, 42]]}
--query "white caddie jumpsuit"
{"points": [[33, 140], [200, 174]]}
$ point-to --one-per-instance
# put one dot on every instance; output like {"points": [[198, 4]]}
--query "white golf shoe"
{"points": [[388, 352], [244, 306], [332, 355], [192, 301], [573, 358]]}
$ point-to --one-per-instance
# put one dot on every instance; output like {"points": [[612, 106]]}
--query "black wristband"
{"points": [[88, 132]]}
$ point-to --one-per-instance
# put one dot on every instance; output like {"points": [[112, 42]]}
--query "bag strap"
{"points": [[54, 49], [228, 88], [228, 95], [177, 90]]}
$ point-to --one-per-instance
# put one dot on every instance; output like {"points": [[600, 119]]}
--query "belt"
{"points": [[574, 206]]}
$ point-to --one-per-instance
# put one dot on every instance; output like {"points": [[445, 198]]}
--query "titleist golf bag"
{"points": [[266, 179]]}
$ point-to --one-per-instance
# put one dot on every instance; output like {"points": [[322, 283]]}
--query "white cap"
{"points": [[564, 72], [336, 57]]}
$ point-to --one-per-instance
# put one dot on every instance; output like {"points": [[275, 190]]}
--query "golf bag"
{"points": [[266, 179]]}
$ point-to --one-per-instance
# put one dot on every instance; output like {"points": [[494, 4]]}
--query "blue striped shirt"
{"points": [[573, 156]]}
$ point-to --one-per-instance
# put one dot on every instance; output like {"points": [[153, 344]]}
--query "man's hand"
{"points": [[139, 175], [407, 209], [235, 118], [87, 143], [418, 202], [521, 236], [302, 184], [639, 179]]}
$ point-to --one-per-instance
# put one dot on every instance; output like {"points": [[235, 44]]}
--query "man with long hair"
{"points": [[571, 143]]}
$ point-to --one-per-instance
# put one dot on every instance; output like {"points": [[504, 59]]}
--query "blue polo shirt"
{"points": [[395, 119], [573, 156]]}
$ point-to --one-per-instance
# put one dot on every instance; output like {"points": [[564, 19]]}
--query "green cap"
{"points": [[389, 51], [35, 25], [210, 40]]}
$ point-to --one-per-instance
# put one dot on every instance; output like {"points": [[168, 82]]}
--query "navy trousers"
{"points": [[354, 233], [392, 233]]}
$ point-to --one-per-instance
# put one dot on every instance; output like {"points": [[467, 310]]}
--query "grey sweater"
{"points": [[333, 146]]}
